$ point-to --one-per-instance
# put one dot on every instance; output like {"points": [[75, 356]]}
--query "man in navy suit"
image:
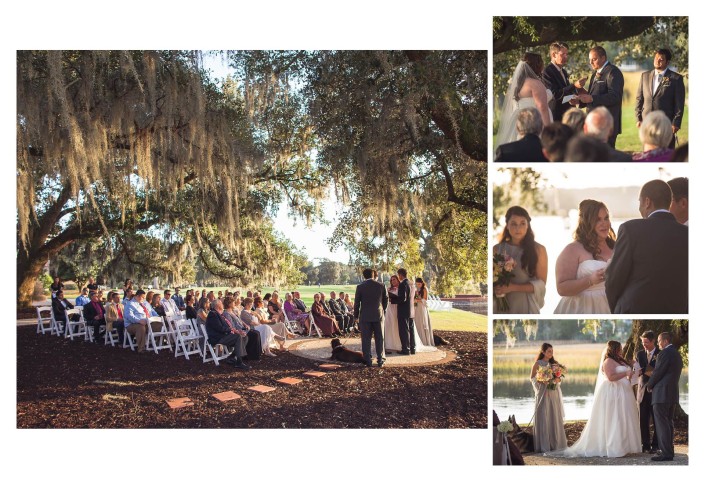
{"points": [[663, 386], [649, 268], [606, 88]]}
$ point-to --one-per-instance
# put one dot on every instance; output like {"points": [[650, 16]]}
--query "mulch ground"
{"points": [[81, 385]]}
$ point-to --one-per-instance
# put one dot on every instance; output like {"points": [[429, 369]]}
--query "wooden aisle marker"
{"points": [[175, 403], [290, 381], [315, 374], [226, 396], [262, 389]]}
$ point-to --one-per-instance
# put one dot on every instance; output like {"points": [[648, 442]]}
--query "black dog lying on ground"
{"points": [[343, 354]]}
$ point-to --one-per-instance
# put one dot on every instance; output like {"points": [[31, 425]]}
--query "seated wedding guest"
{"points": [[274, 308], [253, 341], [109, 299], [583, 148], [56, 285], [259, 310], [344, 321], [655, 134], [178, 299], [528, 147], [349, 303], [59, 305], [554, 141], [250, 294], [220, 295], [294, 313], [600, 124], [574, 118], [150, 295], [170, 308], [298, 302], [114, 317], [92, 286], [211, 296], [679, 202], [326, 323], [203, 296], [190, 310], [127, 296], [347, 310], [268, 336], [221, 332], [137, 314], [203, 309], [83, 299], [157, 305], [94, 314], [526, 290]]}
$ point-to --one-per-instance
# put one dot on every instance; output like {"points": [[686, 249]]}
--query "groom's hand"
{"points": [[579, 84], [585, 98]]}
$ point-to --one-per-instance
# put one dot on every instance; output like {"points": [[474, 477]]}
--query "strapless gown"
{"points": [[592, 300]]}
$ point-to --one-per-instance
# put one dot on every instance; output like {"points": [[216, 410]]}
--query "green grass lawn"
{"points": [[454, 320]]}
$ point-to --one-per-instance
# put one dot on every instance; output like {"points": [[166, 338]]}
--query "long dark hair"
{"points": [[541, 356], [612, 348], [529, 257], [585, 232], [422, 291]]}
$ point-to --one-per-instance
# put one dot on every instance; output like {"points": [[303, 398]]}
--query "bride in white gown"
{"points": [[580, 268], [392, 341], [613, 427], [525, 90]]}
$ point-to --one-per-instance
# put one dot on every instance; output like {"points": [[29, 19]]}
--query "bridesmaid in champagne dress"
{"points": [[526, 290], [549, 432]]}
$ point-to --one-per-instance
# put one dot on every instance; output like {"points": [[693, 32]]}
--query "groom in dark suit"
{"points": [[557, 79], [661, 89], [606, 88], [647, 361], [663, 386], [649, 268], [370, 304], [405, 317]]}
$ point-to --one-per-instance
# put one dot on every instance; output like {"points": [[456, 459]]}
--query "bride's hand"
{"points": [[597, 277]]}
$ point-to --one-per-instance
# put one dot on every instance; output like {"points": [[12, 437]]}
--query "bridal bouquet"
{"points": [[502, 267], [417, 298], [505, 427], [549, 375]]}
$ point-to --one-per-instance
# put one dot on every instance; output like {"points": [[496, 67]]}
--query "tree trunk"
{"points": [[28, 270]]}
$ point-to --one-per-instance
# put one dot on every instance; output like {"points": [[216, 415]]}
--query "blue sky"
{"points": [[312, 241]]}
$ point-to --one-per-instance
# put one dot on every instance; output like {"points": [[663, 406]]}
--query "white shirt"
{"points": [[658, 211], [170, 307], [657, 80]]}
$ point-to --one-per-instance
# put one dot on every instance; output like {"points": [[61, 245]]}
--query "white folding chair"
{"points": [[187, 338], [292, 325], [210, 353], [57, 326], [112, 337], [43, 318], [129, 341], [77, 327], [313, 325], [157, 340]]}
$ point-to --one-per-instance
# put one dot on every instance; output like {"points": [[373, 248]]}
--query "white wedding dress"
{"points": [[591, 300], [613, 427], [507, 131], [391, 332]]}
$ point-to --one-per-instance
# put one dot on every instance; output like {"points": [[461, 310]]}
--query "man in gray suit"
{"points": [[661, 89], [370, 304], [663, 386]]}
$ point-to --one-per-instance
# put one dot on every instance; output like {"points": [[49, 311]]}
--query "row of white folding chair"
{"points": [[187, 338], [158, 340], [436, 304], [43, 318]]}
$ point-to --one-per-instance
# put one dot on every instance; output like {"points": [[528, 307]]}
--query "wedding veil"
{"points": [[507, 117], [601, 377]]}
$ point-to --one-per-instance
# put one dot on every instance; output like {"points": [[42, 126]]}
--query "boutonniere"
{"points": [[598, 75], [666, 82]]}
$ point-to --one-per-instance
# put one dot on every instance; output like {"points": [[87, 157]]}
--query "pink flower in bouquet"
{"points": [[502, 267]]}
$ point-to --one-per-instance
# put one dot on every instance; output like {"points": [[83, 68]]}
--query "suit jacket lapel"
{"points": [[592, 81], [651, 82]]}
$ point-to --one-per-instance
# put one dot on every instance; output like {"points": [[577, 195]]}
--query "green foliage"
{"points": [[524, 188]]}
